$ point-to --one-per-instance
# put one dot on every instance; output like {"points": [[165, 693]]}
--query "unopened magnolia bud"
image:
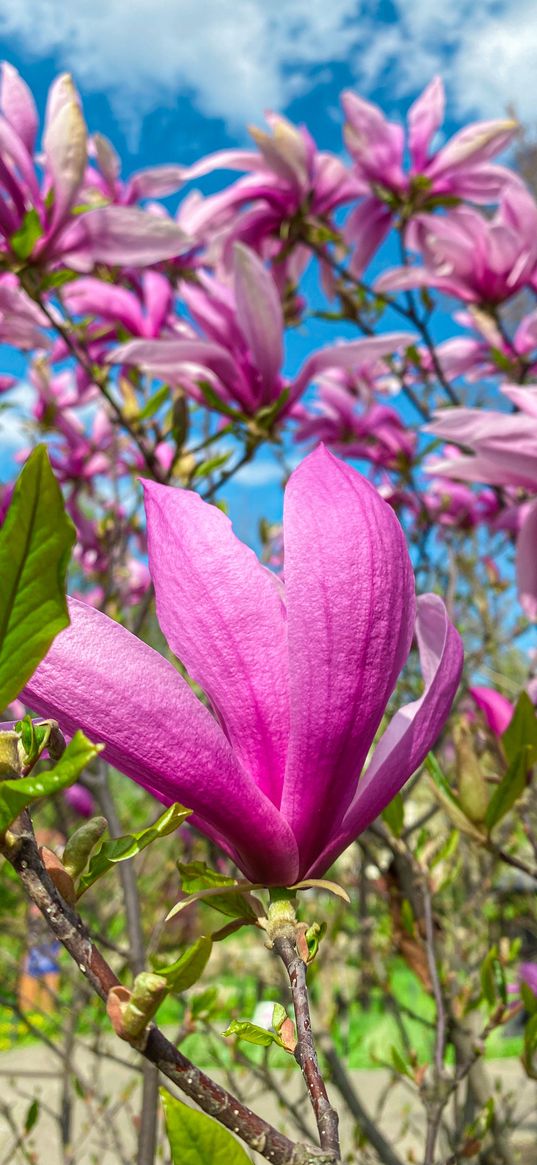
{"points": [[10, 761], [79, 847], [471, 784], [147, 994]]}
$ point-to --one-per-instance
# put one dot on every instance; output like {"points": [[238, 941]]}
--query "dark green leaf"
{"points": [[35, 546], [492, 977], [197, 1139], [23, 240], [528, 997], [118, 849], [32, 1115], [18, 794], [189, 967], [511, 787]]}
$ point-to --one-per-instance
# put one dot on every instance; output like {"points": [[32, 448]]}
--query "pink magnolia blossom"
{"points": [[376, 433], [298, 678], [38, 205], [80, 800], [459, 169], [240, 353], [475, 259], [504, 453], [496, 708]]}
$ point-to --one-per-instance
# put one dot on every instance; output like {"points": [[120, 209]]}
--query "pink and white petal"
{"points": [[349, 355], [65, 145], [259, 315], [127, 235], [526, 563], [425, 117], [223, 616], [411, 733], [99, 677], [18, 106], [496, 708], [350, 617]]}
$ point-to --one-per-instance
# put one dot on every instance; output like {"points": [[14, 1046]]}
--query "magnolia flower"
{"points": [[475, 259], [298, 677], [504, 453], [240, 351], [496, 708]]}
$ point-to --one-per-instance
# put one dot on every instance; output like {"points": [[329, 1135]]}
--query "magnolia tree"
{"points": [[253, 698]]}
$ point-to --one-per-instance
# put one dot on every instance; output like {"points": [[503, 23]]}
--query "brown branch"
{"points": [[325, 1116], [21, 851]]}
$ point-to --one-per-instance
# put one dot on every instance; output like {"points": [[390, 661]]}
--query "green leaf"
{"points": [[18, 794], [522, 730], [32, 1116], [492, 977], [398, 1063], [196, 876], [189, 967], [118, 849], [244, 1030], [511, 787], [23, 240], [197, 1139], [528, 997], [153, 404], [35, 547], [215, 401], [204, 468], [449, 801], [394, 815]]}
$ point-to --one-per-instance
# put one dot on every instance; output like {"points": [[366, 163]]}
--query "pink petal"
{"points": [[350, 355], [350, 614], [425, 116], [411, 733], [222, 615], [18, 106], [99, 677], [259, 316], [497, 709], [526, 563], [126, 235], [65, 146]]}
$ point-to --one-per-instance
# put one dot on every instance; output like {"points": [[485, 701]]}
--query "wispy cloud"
{"points": [[235, 60]]}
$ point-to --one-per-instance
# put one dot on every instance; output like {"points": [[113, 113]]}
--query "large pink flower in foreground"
{"points": [[298, 678]]}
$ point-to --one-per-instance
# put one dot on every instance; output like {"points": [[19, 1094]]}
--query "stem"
{"points": [[346, 1089], [306, 1055], [68, 927]]}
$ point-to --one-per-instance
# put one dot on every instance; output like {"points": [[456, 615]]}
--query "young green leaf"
{"points": [[197, 1139], [394, 815], [18, 794], [118, 849], [23, 240], [35, 546], [197, 876], [245, 1030], [189, 967]]}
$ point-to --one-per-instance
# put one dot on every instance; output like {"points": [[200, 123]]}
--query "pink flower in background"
{"points": [[496, 708], [298, 679], [376, 433], [474, 259], [459, 169], [240, 354], [504, 453], [80, 800]]}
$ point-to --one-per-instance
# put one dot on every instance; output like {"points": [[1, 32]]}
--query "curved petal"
{"points": [[127, 235], [412, 731], [223, 616], [260, 317], [350, 617], [496, 708], [526, 563], [99, 677]]}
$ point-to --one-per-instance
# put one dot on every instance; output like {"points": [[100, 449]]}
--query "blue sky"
{"points": [[170, 80]]}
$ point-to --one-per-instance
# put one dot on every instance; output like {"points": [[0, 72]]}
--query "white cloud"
{"points": [[236, 59], [486, 52]]}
